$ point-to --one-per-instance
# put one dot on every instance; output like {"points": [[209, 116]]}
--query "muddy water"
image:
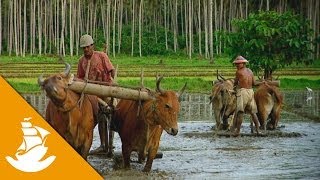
{"points": [[195, 153]]}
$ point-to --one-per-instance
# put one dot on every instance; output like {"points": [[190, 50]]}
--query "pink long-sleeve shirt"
{"points": [[99, 69]]}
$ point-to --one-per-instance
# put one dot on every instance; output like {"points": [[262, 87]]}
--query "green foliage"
{"points": [[300, 83], [25, 85], [271, 41]]}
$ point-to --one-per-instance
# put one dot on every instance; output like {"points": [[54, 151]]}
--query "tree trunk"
{"points": [[70, 26], [78, 27], [175, 28], [132, 27], [220, 27], [15, 28], [103, 17], [39, 27], [186, 27], [94, 22], [34, 28], [57, 28], [199, 27], [190, 29], [140, 27], [108, 25], [10, 20], [120, 22], [19, 27], [216, 24], [206, 34], [165, 23], [63, 19], [114, 29], [45, 28], [182, 18], [210, 31]]}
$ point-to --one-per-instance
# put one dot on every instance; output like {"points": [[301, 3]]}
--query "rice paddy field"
{"points": [[22, 72]]}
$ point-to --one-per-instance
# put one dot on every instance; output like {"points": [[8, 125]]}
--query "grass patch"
{"points": [[30, 85], [123, 60], [301, 83], [21, 72], [195, 84], [24, 85]]}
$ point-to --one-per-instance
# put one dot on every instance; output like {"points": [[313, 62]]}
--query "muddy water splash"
{"points": [[200, 156]]}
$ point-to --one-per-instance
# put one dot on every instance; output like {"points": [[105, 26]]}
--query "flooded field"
{"points": [[197, 153], [202, 155]]}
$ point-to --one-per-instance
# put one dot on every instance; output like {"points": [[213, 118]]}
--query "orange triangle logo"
{"points": [[30, 148]]}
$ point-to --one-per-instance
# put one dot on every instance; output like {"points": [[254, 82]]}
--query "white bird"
{"points": [[308, 89], [309, 98], [309, 95]]}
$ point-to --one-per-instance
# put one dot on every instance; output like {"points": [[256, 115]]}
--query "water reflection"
{"points": [[38, 101], [298, 105]]}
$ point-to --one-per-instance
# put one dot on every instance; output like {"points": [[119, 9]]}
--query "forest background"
{"points": [[169, 33]]}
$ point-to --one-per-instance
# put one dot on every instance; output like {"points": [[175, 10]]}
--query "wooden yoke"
{"points": [[109, 91]]}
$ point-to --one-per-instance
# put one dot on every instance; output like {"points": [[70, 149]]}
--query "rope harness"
{"points": [[86, 82], [62, 108], [152, 110]]}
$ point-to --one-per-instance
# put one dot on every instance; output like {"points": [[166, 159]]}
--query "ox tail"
{"points": [[275, 91]]}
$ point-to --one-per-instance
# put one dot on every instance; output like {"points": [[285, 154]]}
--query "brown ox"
{"points": [[141, 124], [269, 102], [71, 118], [223, 101]]}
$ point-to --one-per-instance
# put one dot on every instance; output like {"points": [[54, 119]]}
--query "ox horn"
{"points": [[222, 77], [67, 69], [182, 91], [218, 75], [260, 77], [158, 84], [40, 80]]}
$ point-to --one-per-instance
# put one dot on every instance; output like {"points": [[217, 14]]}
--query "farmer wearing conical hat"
{"points": [[244, 82]]}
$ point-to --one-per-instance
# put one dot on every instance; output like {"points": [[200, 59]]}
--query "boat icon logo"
{"points": [[29, 155]]}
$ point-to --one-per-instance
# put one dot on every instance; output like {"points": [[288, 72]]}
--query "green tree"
{"points": [[270, 41]]}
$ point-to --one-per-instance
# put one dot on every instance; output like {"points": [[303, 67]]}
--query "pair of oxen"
{"points": [[141, 123], [268, 98]]}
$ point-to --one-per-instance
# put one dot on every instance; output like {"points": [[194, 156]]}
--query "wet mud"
{"points": [[227, 133], [197, 152]]}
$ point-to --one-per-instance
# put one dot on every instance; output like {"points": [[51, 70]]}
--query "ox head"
{"points": [[223, 90], [56, 85], [166, 107]]}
